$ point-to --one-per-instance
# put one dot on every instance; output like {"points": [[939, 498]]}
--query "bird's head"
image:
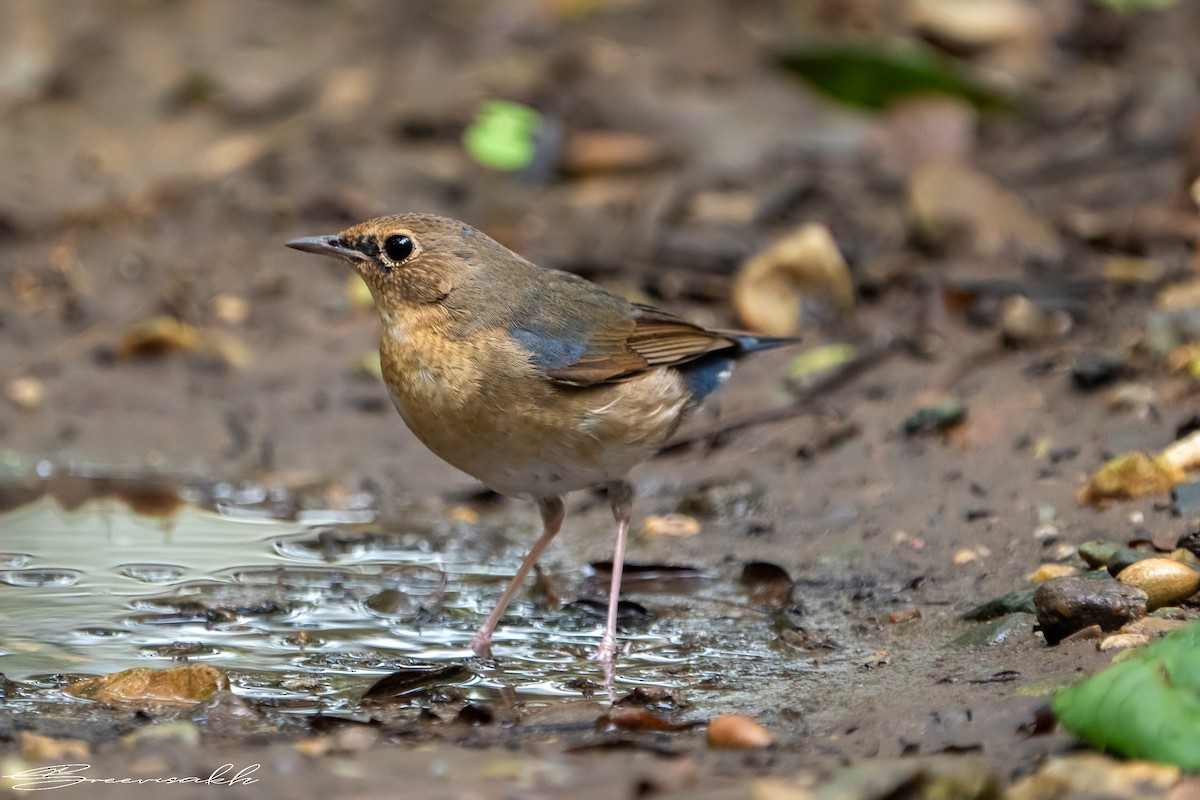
{"points": [[407, 259]]}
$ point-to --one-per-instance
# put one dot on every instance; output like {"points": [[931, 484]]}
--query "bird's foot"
{"points": [[481, 643], [606, 654]]}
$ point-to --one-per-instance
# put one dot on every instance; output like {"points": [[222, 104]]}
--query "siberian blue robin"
{"points": [[535, 381]]}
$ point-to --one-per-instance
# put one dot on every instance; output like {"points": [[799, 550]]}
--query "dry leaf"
{"points": [[766, 292], [1130, 476], [186, 684], [162, 335]]}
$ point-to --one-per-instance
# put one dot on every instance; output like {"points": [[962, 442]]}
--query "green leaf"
{"points": [[874, 77], [502, 135], [1130, 6], [1145, 706], [820, 359]]}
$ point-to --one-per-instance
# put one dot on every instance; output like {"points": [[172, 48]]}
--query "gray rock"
{"points": [[1065, 605]]}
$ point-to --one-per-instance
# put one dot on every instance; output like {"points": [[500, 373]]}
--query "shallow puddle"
{"points": [[309, 611]]}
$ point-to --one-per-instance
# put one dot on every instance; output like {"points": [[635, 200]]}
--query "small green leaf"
{"points": [[502, 135], [874, 77], [820, 359], [1145, 706], [1130, 6]]}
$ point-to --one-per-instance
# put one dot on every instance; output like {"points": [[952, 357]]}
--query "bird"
{"points": [[535, 381]]}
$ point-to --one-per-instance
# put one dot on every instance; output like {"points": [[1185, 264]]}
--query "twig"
{"points": [[835, 380]]}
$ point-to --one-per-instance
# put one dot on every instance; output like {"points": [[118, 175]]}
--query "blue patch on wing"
{"points": [[705, 375], [550, 350]]}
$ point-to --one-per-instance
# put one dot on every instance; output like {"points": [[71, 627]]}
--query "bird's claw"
{"points": [[481, 644], [606, 654]]}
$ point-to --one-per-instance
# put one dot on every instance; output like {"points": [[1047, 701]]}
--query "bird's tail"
{"points": [[753, 344]]}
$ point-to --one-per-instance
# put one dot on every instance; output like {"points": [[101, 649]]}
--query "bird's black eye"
{"points": [[398, 247]]}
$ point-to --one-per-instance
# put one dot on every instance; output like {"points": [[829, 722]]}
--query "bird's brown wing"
{"points": [[621, 349]]}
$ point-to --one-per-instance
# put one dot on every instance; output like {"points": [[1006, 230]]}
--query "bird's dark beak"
{"points": [[327, 246]]}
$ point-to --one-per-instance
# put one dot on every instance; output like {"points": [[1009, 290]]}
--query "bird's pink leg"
{"points": [[620, 495], [553, 513]]}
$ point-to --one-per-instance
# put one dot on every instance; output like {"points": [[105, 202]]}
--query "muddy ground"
{"points": [[156, 155]]}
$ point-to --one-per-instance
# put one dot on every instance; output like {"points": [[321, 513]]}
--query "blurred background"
{"points": [[930, 158]]}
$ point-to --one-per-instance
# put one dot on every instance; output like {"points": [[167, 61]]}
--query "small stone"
{"points": [[1121, 641], [1065, 605], [1185, 500], [1153, 626], [1184, 556], [42, 749], [1122, 558], [1018, 602], [463, 515], [935, 419], [1047, 571], [1190, 541], [26, 393], [1164, 581], [1023, 322], [230, 309], [672, 525], [1097, 554], [725, 500], [965, 556], [994, 632], [1087, 634], [735, 732], [313, 747], [1090, 372]]}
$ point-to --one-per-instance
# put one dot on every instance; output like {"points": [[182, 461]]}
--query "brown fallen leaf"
{"points": [[184, 685], [163, 335], [1130, 476], [767, 289], [593, 152], [955, 207], [633, 718]]}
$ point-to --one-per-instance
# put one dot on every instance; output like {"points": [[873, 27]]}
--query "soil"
{"points": [[157, 154]]}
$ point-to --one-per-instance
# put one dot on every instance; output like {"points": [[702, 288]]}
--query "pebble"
{"points": [[935, 419], [675, 525], [1090, 372], [735, 732], [1018, 602], [1047, 571], [1097, 553], [47, 749], [1124, 557], [1066, 605], [1122, 641], [1164, 581], [993, 632], [724, 500], [1153, 626], [26, 393], [1185, 500], [1190, 541], [1085, 635]]}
